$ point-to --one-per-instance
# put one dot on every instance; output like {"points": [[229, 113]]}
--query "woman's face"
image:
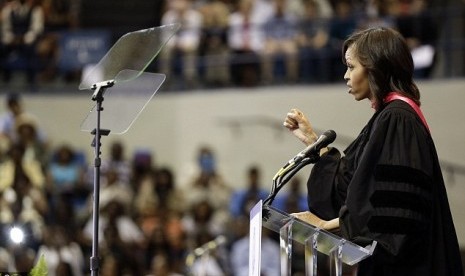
{"points": [[356, 77]]}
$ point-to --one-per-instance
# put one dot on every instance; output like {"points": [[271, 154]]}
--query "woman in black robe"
{"points": [[387, 186]]}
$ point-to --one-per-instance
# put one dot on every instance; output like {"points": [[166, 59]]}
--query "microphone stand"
{"points": [[307, 156], [286, 173]]}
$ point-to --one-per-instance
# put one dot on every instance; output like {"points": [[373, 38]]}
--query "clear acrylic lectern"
{"points": [[290, 228], [315, 241], [122, 70]]}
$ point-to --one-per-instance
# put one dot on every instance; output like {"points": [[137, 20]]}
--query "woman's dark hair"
{"points": [[385, 55]]}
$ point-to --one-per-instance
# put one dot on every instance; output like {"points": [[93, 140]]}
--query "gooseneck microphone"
{"points": [[309, 155], [314, 149]]}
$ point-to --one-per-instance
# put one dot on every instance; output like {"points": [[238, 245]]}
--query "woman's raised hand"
{"points": [[300, 126]]}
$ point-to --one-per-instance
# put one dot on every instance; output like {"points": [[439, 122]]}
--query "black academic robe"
{"points": [[388, 187]]}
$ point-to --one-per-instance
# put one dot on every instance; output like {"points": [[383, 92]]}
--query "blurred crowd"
{"points": [[227, 42], [149, 223]]}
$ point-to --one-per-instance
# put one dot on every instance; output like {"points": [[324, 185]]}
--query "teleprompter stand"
{"points": [[122, 70]]}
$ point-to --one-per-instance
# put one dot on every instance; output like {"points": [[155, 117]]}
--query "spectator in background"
{"points": [[202, 219], [59, 16], [143, 166], [170, 198], [64, 170], [120, 256], [22, 202], [8, 121], [65, 180], [207, 183], [162, 265], [119, 237], [28, 136], [263, 10], [22, 26], [177, 241], [415, 23], [280, 42], [184, 43], [16, 167], [213, 47], [117, 162], [253, 192], [152, 224], [213, 261], [270, 251], [112, 189], [59, 248], [343, 24], [245, 39], [14, 108], [293, 200], [145, 197], [379, 14], [313, 38]]}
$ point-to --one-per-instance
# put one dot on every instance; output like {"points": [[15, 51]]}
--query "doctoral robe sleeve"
{"points": [[389, 198], [327, 185]]}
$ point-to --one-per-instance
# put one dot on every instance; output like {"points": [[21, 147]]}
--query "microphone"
{"points": [[324, 140], [295, 164]]}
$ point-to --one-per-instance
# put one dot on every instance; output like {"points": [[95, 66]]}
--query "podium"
{"points": [[290, 228], [314, 240]]}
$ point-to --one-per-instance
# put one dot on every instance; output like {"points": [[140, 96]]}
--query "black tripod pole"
{"points": [[97, 132]]}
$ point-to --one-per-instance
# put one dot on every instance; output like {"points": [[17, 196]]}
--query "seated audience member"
{"points": [[112, 189], [162, 265], [379, 14], [59, 16], [65, 181], [27, 131], [270, 251], [118, 162], [202, 219], [213, 48], [213, 261], [291, 199], [343, 24], [118, 254], [313, 38], [245, 39], [158, 190], [8, 121], [169, 196], [185, 42], [58, 249], [14, 109], [119, 237], [415, 23], [280, 42], [252, 192], [23, 206], [207, 183], [16, 165], [22, 25], [143, 181]]}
